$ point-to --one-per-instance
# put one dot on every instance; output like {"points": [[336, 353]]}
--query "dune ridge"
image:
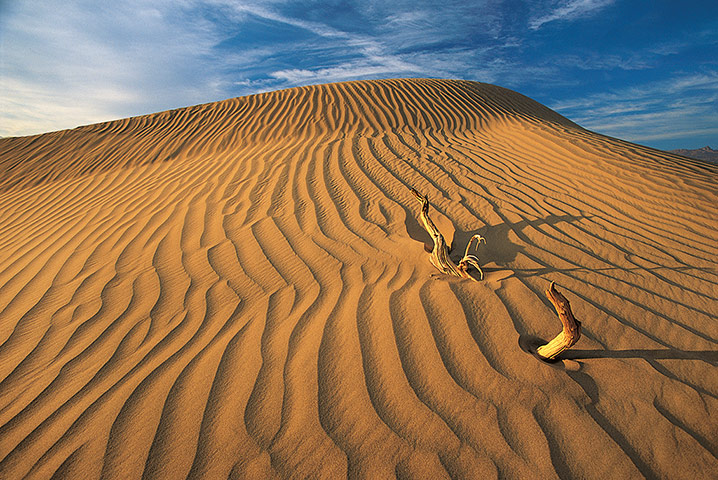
{"points": [[240, 290]]}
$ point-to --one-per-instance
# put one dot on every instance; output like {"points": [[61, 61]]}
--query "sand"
{"points": [[240, 290]]}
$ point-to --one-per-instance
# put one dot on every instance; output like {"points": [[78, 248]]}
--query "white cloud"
{"points": [[377, 66], [604, 62], [569, 10], [257, 9], [93, 61], [671, 133], [681, 107], [85, 63], [400, 43]]}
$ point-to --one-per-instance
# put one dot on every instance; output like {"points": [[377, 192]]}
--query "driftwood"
{"points": [[571, 327], [440, 253], [571, 331]]}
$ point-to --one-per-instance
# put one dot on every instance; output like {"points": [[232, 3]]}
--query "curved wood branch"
{"points": [[571, 327], [471, 260], [440, 253]]}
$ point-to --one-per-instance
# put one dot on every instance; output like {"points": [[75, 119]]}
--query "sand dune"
{"points": [[240, 290]]}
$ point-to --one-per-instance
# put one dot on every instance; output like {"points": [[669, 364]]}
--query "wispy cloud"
{"points": [[594, 61], [683, 107], [82, 63], [90, 61], [400, 39], [351, 70], [264, 10], [569, 10]]}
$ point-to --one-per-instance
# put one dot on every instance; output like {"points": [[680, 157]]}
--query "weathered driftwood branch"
{"points": [[440, 253], [571, 327]]}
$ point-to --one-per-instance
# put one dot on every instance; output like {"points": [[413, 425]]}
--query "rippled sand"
{"points": [[240, 290]]}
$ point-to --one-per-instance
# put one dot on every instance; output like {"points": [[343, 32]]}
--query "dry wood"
{"points": [[440, 253], [571, 327]]}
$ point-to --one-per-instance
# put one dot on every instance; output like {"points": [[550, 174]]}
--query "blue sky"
{"points": [[644, 71]]}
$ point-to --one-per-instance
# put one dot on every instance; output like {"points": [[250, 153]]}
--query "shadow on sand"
{"points": [[709, 356], [498, 248], [529, 344]]}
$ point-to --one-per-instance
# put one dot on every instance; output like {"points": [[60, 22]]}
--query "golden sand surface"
{"points": [[240, 290]]}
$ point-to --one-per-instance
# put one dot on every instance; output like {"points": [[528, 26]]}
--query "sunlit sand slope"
{"points": [[240, 290]]}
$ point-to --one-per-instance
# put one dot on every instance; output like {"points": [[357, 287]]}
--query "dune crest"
{"points": [[240, 290]]}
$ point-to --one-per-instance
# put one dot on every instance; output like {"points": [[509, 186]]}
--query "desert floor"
{"points": [[241, 290]]}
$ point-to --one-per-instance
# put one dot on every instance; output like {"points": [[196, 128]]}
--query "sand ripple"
{"points": [[239, 290]]}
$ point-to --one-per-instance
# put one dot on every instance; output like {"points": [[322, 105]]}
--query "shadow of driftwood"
{"points": [[533, 272], [418, 233], [709, 356], [498, 247], [529, 344], [501, 250]]}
